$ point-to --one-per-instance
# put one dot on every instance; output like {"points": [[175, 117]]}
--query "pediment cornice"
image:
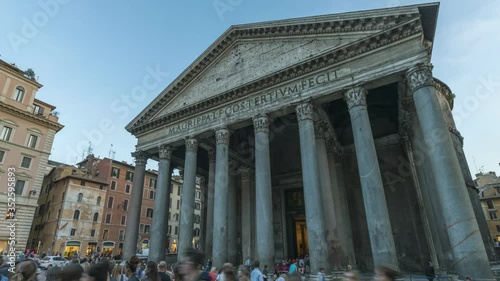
{"points": [[410, 27], [315, 26]]}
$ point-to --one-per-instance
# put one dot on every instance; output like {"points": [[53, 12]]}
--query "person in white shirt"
{"points": [[256, 275]]}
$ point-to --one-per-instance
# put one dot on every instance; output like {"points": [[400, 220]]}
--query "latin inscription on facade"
{"points": [[278, 95]]}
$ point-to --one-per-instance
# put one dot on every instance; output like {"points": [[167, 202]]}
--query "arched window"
{"points": [[80, 197], [98, 200], [96, 217], [18, 94], [76, 215]]}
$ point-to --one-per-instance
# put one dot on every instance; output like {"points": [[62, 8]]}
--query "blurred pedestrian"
{"points": [[191, 266], [25, 271], [256, 275], [243, 273], [386, 273], [151, 272], [71, 272], [118, 273], [53, 273], [162, 271], [97, 272], [429, 271], [228, 270], [130, 269], [351, 275]]}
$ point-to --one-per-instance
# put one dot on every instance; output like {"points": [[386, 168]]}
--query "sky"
{"points": [[92, 55]]}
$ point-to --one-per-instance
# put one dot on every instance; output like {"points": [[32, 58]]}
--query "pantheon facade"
{"points": [[327, 136]]}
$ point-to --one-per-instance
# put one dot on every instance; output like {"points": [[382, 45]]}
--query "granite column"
{"points": [[157, 241], [188, 193], [134, 212], [377, 214], [468, 250]]}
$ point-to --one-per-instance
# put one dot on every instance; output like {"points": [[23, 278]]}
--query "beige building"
{"points": [[68, 219], [489, 194], [174, 214], [27, 130]]}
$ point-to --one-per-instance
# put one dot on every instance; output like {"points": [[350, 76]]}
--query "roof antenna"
{"points": [[111, 154]]}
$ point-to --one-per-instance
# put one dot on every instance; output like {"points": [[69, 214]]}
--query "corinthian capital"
{"points": [[165, 151], [191, 144], [261, 123], [305, 111], [222, 136], [355, 97], [141, 157], [419, 76]]}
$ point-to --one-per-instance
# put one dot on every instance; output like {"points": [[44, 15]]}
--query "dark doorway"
{"points": [[296, 223]]}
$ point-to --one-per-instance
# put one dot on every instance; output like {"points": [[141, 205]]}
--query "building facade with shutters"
{"points": [[27, 130], [68, 218], [489, 194]]}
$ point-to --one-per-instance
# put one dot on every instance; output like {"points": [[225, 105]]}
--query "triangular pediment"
{"points": [[252, 60], [248, 53]]}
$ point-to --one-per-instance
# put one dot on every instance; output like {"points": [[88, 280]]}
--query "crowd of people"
{"points": [[189, 269]]}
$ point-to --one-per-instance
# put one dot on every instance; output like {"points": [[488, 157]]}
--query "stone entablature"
{"points": [[392, 33]]}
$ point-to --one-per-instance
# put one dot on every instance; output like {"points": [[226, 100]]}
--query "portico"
{"points": [[301, 123]]}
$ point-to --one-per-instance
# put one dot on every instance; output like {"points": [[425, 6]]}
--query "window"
{"points": [[121, 235], [196, 232], [129, 176], [178, 204], [149, 213], [5, 133], [141, 228], [32, 140], [124, 218], [125, 204], [176, 230], [38, 110], [151, 194], [169, 229], [493, 215], [20, 187], [498, 190], [170, 204], [80, 197], [82, 183], [127, 188], [108, 218], [146, 228], [26, 163], [92, 233], [110, 202], [115, 172], [105, 234], [113, 185], [73, 232], [76, 215], [96, 217], [152, 183], [176, 217], [490, 204], [179, 191], [2, 155], [98, 200], [18, 94], [172, 188]]}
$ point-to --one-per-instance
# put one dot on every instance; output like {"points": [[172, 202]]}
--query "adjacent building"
{"points": [[27, 130], [68, 218], [489, 194]]}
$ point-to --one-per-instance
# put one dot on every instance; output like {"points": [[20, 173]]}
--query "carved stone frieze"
{"points": [[165, 151], [191, 144], [305, 111], [141, 157], [261, 124], [410, 26], [222, 136], [355, 97], [419, 76]]}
